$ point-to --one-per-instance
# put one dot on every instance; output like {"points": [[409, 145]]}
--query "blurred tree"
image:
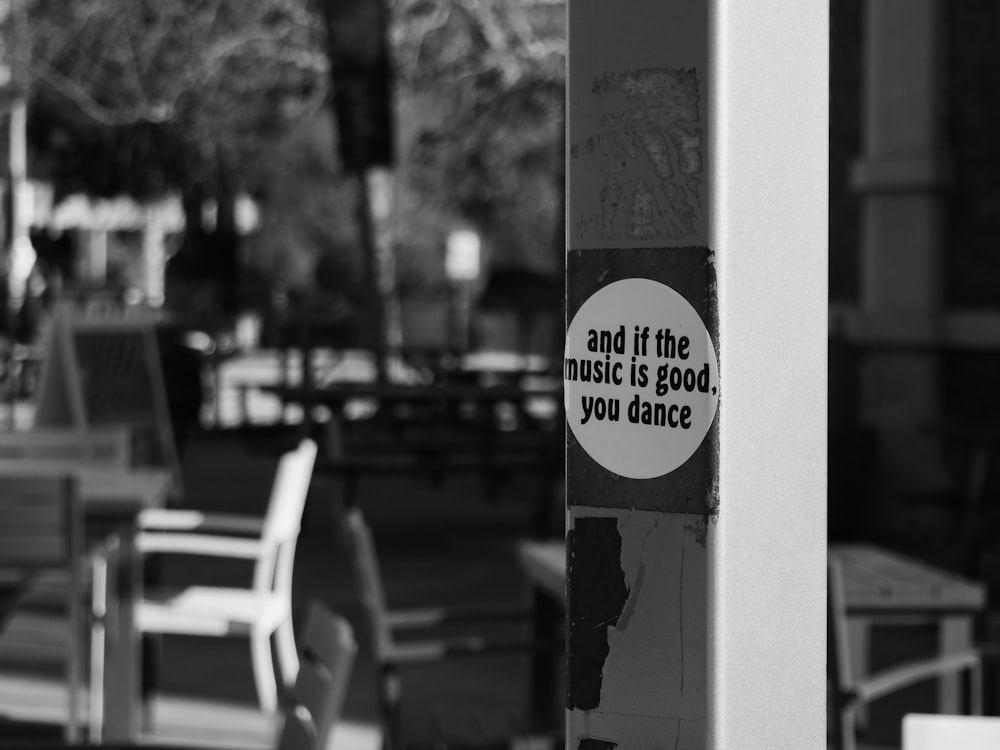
{"points": [[360, 71], [150, 96], [482, 119], [216, 96], [166, 93]]}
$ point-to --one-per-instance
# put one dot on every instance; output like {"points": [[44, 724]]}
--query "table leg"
{"points": [[955, 635], [121, 674], [545, 664], [858, 635]]}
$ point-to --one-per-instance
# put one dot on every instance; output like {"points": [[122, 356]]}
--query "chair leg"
{"points": [[288, 657], [97, 635], [389, 689], [263, 670], [848, 729], [73, 671], [976, 691]]}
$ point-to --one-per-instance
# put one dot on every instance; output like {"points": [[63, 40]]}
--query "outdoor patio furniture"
{"points": [[436, 439], [849, 692], [326, 659], [940, 732], [543, 564], [53, 451], [111, 500], [308, 717], [41, 529], [106, 446], [402, 638], [261, 611]]}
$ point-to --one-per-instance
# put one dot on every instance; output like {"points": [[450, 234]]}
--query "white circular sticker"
{"points": [[641, 378]]}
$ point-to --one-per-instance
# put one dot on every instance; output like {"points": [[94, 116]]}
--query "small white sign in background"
{"points": [[641, 378]]}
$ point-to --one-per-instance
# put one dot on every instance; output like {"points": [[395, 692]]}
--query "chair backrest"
{"points": [[105, 446], [937, 732], [326, 659], [289, 492], [41, 527], [284, 518], [368, 577], [40, 522]]}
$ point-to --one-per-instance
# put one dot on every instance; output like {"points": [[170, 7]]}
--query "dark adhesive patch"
{"points": [[589, 743], [692, 487], [698, 529], [597, 594]]}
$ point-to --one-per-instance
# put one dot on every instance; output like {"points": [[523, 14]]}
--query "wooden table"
{"points": [[544, 566], [881, 587], [112, 500], [443, 442]]}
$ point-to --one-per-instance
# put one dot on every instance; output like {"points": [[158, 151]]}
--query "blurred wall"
{"points": [[926, 335]]}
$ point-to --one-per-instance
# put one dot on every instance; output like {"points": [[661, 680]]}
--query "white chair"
{"points": [[849, 693], [41, 529], [939, 732], [261, 611]]}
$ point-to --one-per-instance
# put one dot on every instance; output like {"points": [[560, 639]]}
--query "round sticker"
{"points": [[641, 378]]}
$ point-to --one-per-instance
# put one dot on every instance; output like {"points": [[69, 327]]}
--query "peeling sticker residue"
{"points": [[656, 665], [597, 594], [646, 142], [633, 561]]}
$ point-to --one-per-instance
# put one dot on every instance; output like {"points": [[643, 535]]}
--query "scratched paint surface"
{"points": [[691, 488], [645, 652], [638, 155]]}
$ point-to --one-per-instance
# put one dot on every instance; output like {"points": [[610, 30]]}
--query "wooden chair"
{"points": [[261, 611], [849, 693], [385, 626], [939, 732], [50, 451], [107, 446], [326, 659], [41, 529]]}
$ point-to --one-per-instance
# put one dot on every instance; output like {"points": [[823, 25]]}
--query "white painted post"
{"points": [[697, 202]]}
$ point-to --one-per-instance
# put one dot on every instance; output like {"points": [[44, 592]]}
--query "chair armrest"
{"points": [[422, 651], [427, 617], [909, 673], [199, 544], [163, 519]]}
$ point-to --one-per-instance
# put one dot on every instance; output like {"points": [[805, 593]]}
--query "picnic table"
{"points": [[437, 430]]}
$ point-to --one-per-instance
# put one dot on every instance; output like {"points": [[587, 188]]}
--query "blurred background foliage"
{"points": [[213, 98]]}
